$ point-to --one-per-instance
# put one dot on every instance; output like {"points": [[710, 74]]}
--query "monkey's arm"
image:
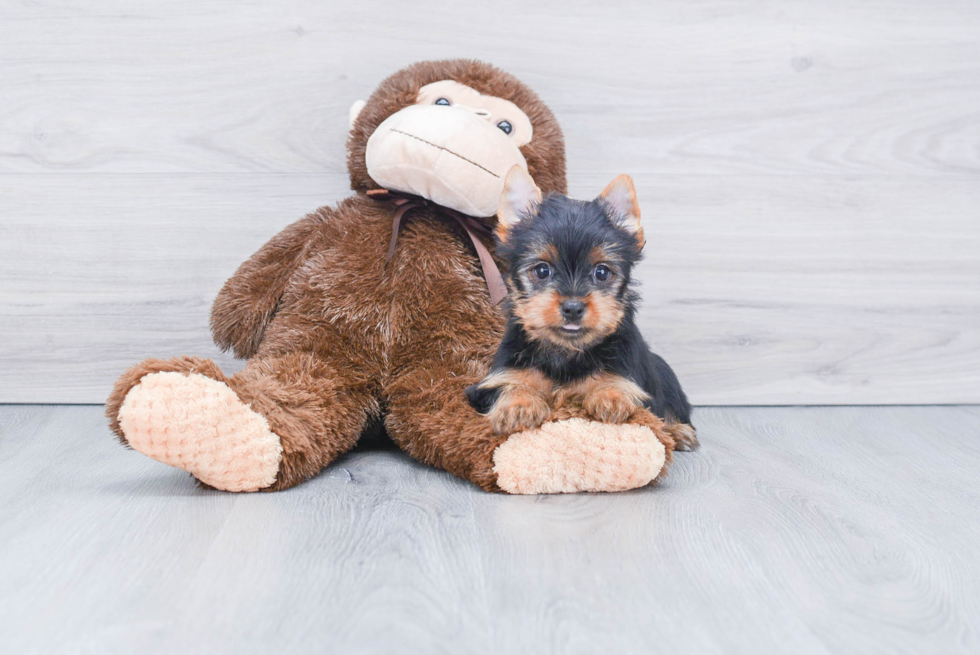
{"points": [[250, 298]]}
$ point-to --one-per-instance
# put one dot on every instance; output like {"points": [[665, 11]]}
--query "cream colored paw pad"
{"points": [[578, 455], [200, 426]]}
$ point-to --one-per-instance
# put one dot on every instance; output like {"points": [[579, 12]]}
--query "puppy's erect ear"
{"points": [[519, 198], [620, 195]]}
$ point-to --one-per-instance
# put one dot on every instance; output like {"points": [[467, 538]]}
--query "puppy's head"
{"points": [[569, 261]]}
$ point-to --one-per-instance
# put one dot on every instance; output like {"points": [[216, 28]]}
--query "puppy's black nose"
{"points": [[572, 310]]}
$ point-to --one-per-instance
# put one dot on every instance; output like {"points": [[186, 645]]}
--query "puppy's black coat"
{"points": [[556, 255]]}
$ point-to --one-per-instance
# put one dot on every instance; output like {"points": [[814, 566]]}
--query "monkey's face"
{"points": [[454, 146]]}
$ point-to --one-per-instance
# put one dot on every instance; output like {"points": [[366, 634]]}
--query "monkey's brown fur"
{"points": [[335, 338]]}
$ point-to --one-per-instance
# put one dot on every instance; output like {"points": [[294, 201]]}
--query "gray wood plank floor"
{"points": [[804, 530]]}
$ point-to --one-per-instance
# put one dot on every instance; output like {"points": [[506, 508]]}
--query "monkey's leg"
{"points": [[276, 423], [430, 417]]}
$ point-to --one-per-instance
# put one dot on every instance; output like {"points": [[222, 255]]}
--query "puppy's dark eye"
{"points": [[505, 127], [602, 273], [443, 101], [542, 271]]}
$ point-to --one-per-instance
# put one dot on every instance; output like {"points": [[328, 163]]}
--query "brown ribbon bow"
{"points": [[405, 203]]}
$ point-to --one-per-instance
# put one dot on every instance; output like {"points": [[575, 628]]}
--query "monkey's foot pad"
{"points": [[578, 455], [200, 426]]}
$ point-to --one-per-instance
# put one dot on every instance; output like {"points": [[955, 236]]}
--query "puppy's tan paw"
{"points": [[684, 435], [518, 410], [610, 405]]}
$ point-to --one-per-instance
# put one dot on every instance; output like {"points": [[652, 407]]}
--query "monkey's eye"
{"points": [[443, 101], [505, 127], [542, 271], [602, 273]]}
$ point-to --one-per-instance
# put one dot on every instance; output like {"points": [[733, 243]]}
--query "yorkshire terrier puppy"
{"points": [[571, 336]]}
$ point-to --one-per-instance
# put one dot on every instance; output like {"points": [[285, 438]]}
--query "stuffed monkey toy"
{"points": [[379, 310]]}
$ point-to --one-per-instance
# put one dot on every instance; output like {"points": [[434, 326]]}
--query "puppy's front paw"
{"points": [[518, 410], [610, 405]]}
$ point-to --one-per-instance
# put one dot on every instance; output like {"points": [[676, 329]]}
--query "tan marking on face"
{"points": [[524, 398], [541, 317], [600, 255], [548, 254], [603, 313], [540, 313], [606, 397]]}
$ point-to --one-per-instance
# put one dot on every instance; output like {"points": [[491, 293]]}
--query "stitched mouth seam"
{"points": [[469, 161]]}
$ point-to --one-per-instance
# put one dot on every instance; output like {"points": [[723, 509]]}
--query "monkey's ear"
{"points": [[620, 195], [519, 198], [355, 110]]}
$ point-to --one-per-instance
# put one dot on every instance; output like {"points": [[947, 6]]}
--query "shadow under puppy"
{"points": [[571, 336]]}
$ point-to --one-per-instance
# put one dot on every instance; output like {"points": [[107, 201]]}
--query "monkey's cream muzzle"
{"points": [[455, 156]]}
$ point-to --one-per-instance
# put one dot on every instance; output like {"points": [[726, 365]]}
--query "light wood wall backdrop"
{"points": [[809, 173]]}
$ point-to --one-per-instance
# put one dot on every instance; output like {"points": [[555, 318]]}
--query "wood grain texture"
{"points": [[804, 530], [712, 86], [755, 293], [809, 171], [102, 271]]}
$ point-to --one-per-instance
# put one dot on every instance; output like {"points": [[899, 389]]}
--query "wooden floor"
{"points": [[803, 530]]}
